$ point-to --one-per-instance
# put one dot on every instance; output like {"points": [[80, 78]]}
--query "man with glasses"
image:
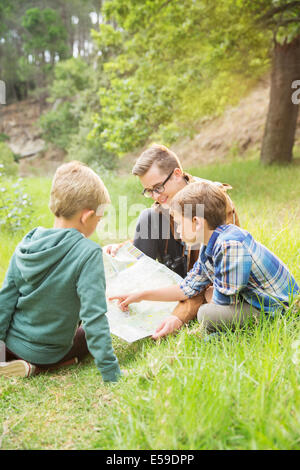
{"points": [[162, 176]]}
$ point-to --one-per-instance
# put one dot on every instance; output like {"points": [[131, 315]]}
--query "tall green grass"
{"points": [[239, 390]]}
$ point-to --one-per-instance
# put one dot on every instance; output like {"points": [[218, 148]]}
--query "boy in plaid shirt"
{"points": [[245, 277]]}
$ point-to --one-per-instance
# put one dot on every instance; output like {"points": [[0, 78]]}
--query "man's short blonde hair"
{"points": [[161, 156], [76, 187], [211, 197]]}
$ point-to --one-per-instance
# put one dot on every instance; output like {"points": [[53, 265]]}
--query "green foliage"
{"points": [[5, 9], [3, 137], [281, 16], [174, 68], [108, 39], [59, 125], [129, 114], [70, 77], [43, 42], [9, 166], [35, 35], [89, 151], [15, 204], [44, 32], [69, 123], [158, 67]]}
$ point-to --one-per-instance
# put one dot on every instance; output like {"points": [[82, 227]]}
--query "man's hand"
{"points": [[208, 293], [113, 249], [126, 299], [169, 325]]}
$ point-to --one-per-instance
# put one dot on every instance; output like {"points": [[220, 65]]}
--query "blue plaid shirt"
{"points": [[240, 268]]}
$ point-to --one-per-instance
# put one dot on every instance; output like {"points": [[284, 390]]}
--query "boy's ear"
{"points": [[86, 214]]}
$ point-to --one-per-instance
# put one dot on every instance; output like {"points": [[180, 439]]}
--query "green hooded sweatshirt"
{"points": [[56, 278]]}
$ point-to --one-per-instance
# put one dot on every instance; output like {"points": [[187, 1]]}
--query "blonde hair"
{"points": [[212, 198], [75, 187], [164, 159]]}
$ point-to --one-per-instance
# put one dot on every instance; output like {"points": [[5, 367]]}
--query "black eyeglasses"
{"points": [[159, 188]]}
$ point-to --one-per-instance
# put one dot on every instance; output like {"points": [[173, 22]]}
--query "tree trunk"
{"points": [[279, 135]]}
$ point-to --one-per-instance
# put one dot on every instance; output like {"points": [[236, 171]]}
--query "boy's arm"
{"points": [[91, 291], [193, 284], [9, 295], [233, 265], [165, 294], [195, 281]]}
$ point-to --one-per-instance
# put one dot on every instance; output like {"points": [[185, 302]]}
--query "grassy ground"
{"points": [[238, 391]]}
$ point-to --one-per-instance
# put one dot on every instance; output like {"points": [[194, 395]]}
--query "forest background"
{"points": [[116, 75]]}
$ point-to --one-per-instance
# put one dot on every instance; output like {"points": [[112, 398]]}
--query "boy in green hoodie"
{"points": [[56, 279]]}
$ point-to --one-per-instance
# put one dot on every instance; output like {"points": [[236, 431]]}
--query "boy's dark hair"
{"points": [[202, 195]]}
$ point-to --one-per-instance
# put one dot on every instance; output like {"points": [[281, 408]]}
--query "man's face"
{"points": [[155, 176]]}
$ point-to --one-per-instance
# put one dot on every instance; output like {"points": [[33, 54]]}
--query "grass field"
{"points": [[240, 390]]}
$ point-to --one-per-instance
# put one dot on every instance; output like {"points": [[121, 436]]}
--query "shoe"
{"points": [[59, 365], [18, 368]]}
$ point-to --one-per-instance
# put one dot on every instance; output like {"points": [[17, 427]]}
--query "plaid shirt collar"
{"points": [[213, 239]]}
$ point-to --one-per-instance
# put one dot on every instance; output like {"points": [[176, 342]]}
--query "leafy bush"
{"points": [[128, 114], [71, 94], [69, 123], [59, 125], [70, 77], [15, 204], [15, 207], [9, 166], [3, 137], [92, 153]]}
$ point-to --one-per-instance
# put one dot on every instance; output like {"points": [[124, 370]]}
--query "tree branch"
{"points": [[274, 11], [288, 21]]}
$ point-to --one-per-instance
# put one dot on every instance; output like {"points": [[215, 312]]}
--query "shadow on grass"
{"points": [[130, 352]]}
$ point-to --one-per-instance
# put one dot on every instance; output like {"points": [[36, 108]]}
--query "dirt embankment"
{"points": [[19, 121], [239, 130]]}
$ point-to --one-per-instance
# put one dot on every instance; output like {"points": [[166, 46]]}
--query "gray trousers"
{"points": [[216, 317]]}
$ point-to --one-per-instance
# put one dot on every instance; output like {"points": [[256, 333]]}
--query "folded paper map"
{"points": [[132, 271]]}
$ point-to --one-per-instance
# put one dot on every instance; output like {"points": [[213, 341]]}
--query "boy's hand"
{"points": [[169, 325], [125, 300]]}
